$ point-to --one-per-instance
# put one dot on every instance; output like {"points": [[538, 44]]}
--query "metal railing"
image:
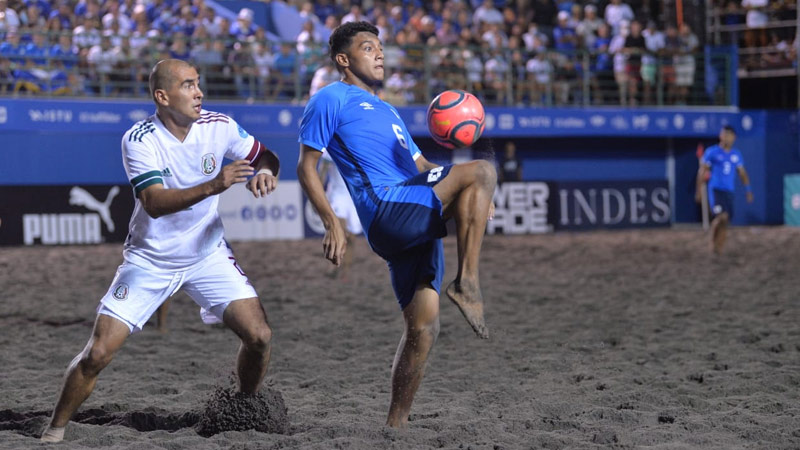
{"points": [[765, 51], [414, 75]]}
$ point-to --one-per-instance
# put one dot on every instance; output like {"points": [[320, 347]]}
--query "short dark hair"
{"points": [[342, 36], [729, 128]]}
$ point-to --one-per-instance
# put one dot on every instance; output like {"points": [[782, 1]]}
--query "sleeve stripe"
{"points": [[255, 151], [146, 184], [144, 176]]}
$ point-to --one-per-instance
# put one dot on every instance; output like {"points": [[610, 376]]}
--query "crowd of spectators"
{"points": [[765, 31], [525, 52]]}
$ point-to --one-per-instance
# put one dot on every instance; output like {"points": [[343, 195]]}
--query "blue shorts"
{"points": [[407, 230], [720, 201]]}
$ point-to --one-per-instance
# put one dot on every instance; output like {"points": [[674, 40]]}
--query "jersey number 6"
{"points": [[398, 131]]}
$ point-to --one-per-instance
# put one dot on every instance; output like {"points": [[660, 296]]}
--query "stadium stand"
{"points": [[523, 52]]}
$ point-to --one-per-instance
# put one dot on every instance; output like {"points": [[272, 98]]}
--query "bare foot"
{"points": [[470, 302], [52, 434]]}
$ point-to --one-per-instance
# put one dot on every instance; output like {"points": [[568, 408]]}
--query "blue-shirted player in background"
{"points": [[724, 161], [402, 200]]}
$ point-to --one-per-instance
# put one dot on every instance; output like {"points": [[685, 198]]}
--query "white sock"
{"points": [[53, 434]]}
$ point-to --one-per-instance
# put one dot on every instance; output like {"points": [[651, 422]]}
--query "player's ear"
{"points": [[342, 60], [160, 97]]}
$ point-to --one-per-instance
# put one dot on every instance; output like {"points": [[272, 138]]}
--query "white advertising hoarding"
{"points": [[276, 216]]}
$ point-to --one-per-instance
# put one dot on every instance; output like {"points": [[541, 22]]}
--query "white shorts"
{"points": [[343, 207], [137, 292]]}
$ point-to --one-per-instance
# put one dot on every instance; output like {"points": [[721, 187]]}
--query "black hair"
{"points": [[342, 36], [729, 128]]}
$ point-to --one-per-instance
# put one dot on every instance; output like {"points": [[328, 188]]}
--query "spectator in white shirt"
{"points": [[617, 12], [756, 20], [355, 15], [487, 13], [9, 19]]}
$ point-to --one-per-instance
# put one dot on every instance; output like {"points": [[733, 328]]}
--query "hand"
{"points": [[334, 244], [262, 184], [236, 172], [749, 197], [491, 210]]}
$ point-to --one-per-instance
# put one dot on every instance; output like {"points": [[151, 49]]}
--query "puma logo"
{"points": [[79, 197]]}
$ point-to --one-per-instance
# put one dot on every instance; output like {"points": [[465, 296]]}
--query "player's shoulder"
{"points": [[336, 92], [213, 118], [140, 130]]}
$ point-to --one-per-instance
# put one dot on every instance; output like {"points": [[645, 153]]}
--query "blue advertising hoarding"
{"points": [[61, 142], [103, 116]]}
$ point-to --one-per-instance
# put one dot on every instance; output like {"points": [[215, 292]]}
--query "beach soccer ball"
{"points": [[456, 119]]}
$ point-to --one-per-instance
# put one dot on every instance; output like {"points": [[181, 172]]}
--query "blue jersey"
{"points": [[366, 139], [724, 165]]}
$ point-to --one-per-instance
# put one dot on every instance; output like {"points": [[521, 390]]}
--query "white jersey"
{"points": [[152, 155]]}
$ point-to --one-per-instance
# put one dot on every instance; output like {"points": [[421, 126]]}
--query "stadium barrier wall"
{"points": [[592, 163]]}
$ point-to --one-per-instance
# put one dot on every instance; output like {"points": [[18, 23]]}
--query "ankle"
{"points": [[53, 434]]}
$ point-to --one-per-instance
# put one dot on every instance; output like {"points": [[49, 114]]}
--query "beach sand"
{"points": [[611, 339]]}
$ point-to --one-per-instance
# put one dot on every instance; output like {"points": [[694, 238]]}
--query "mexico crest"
{"points": [[209, 163], [121, 291]]}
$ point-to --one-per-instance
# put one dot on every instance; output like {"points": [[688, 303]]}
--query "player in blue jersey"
{"points": [[402, 200], [724, 162]]}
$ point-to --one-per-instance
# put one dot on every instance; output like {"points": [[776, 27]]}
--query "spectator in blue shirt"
{"points": [[64, 53], [12, 49], [63, 15], [284, 73], [244, 27]]}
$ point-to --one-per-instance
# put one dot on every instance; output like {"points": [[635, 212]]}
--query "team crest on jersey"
{"points": [[242, 132], [209, 163], [121, 291]]}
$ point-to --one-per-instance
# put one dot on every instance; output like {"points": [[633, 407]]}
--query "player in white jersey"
{"points": [[173, 161], [343, 206]]}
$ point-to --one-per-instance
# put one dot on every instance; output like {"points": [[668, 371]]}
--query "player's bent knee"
{"points": [[95, 359], [485, 173], [258, 340]]}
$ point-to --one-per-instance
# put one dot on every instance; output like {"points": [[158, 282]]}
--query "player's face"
{"points": [[366, 58], [185, 96], [726, 138]]}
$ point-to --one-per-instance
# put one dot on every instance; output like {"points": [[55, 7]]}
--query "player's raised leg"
{"points": [[108, 336], [466, 195], [248, 320], [421, 330]]}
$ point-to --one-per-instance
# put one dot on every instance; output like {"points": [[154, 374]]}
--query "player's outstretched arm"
{"points": [[266, 178], [334, 244], [158, 201]]}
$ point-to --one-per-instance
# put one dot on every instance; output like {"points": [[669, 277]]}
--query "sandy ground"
{"points": [[604, 339]]}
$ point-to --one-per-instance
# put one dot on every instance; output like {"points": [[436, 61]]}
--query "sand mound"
{"points": [[228, 410]]}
